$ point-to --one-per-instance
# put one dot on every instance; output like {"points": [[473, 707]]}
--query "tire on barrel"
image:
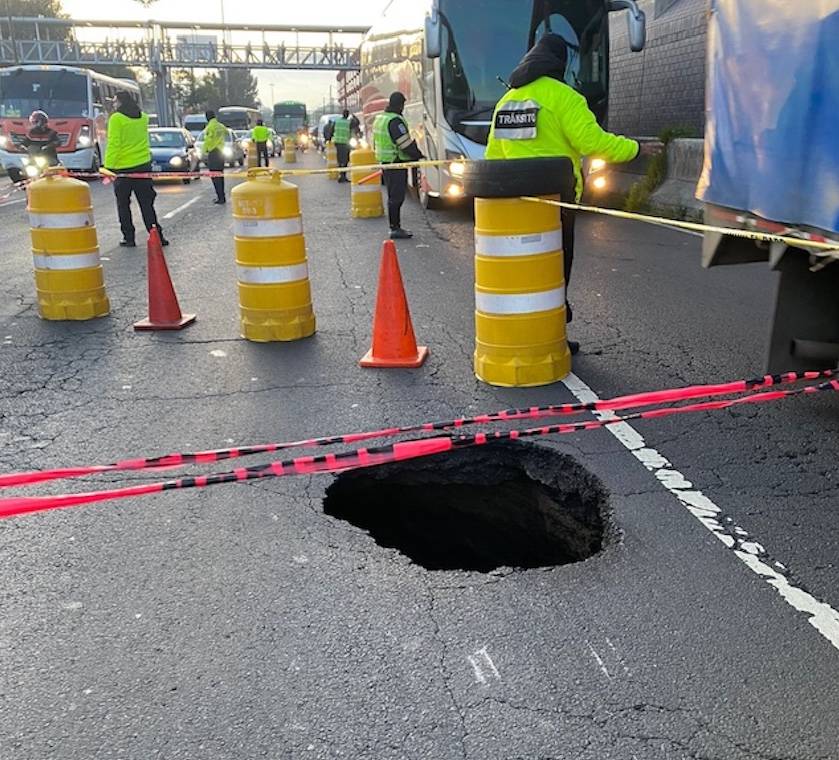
{"points": [[511, 178]]}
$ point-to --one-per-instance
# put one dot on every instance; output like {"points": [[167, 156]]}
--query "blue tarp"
{"points": [[772, 131]]}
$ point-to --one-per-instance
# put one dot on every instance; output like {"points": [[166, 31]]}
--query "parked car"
{"points": [[173, 150], [233, 151]]}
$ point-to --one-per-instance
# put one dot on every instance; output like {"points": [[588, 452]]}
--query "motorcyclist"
{"points": [[41, 140]]}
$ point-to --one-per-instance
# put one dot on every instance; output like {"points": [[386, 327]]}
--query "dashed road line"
{"points": [[182, 207], [819, 614]]}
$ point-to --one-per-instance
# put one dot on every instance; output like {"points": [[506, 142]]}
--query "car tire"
{"points": [[511, 178]]}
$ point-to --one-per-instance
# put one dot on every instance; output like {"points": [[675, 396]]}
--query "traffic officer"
{"points": [[128, 152], [541, 116], [215, 136], [393, 144], [259, 136], [341, 138]]}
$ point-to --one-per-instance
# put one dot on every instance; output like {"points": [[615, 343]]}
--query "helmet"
{"points": [[38, 119]]}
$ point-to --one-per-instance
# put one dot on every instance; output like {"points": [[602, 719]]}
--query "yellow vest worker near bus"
{"points": [[215, 135], [128, 152], [541, 116], [259, 136], [394, 144]]}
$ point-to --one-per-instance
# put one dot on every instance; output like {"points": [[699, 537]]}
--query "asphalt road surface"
{"points": [[243, 622]]}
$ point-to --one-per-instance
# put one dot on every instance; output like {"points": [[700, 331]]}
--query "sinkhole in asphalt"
{"points": [[479, 509]]}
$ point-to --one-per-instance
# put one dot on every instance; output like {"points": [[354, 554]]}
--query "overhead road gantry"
{"points": [[161, 46]]}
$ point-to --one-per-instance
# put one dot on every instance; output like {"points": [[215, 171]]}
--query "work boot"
{"points": [[397, 233], [574, 347], [128, 244], [219, 201], [163, 242]]}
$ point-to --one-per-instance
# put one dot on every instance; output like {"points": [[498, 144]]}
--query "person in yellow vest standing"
{"points": [[215, 135], [259, 136], [393, 144], [341, 138], [128, 152], [542, 116]]}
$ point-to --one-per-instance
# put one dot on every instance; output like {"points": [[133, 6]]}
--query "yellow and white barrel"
{"points": [[68, 272], [253, 155], [274, 295], [290, 150], [366, 197], [332, 160], [520, 335]]}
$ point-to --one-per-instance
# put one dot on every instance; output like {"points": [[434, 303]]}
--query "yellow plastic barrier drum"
{"points": [[366, 197], [290, 150]]}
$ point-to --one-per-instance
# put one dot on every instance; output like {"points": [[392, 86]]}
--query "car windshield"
{"points": [[166, 140]]}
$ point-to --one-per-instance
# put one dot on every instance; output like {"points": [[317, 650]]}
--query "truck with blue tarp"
{"points": [[772, 161]]}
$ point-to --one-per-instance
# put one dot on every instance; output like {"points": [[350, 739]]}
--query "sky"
{"points": [[311, 87]]}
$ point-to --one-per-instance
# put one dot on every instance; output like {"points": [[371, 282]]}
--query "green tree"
{"points": [[45, 8]]}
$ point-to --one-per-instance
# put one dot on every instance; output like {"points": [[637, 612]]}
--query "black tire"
{"points": [[511, 178]]}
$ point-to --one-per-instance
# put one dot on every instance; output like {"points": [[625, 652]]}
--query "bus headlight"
{"points": [[176, 161], [84, 136], [227, 151], [454, 191], [599, 183], [456, 168], [84, 142], [597, 164]]}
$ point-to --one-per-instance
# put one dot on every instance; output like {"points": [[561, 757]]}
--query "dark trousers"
{"points": [[261, 152], [343, 154], [568, 218], [215, 163], [396, 182], [145, 194]]}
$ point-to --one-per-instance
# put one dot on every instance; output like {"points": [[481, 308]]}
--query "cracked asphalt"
{"points": [[242, 622]]}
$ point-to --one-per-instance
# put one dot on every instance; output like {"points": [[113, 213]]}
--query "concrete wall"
{"points": [[676, 195], [663, 86]]}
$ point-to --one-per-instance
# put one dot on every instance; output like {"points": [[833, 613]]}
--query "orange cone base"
{"points": [[368, 360], [147, 324]]}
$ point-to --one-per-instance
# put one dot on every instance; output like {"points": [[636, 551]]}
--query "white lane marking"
{"points": [[218, 353], [819, 614], [12, 203], [617, 656], [183, 207], [482, 666], [599, 661], [679, 229]]}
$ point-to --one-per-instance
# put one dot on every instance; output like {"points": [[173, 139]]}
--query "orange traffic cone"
{"points": [[164, 311], [394, 344]]}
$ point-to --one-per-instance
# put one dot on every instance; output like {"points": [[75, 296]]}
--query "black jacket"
{"points": [[42, 141]]}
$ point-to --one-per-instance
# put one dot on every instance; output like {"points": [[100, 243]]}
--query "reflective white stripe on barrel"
{"points": [[518, 245], [272, 275], [61, 221], [519, 303], [366, 188], [260, 228], [71, 261]]}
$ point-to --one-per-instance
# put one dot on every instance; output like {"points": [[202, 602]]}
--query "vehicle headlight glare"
{"points": [[599, 183], [40, 161], [227, 151], [176, 161], [457, 168], [454, 191], [597, 164], [84, 141], [31, 171]]}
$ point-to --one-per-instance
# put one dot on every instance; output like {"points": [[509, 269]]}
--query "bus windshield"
{"points": [[238, 118], [289, 117], [58, 93], [481, 49]]}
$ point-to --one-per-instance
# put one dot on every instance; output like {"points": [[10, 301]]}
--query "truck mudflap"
{"points": [[805, 325]]}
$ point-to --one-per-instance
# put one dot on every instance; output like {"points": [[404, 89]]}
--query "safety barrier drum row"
{"points": [[520, 310]]}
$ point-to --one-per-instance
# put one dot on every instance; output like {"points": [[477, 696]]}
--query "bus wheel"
{"points": [[95, 162]]}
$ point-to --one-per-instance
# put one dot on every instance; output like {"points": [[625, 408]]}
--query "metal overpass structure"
{"points": [[161, 47]]}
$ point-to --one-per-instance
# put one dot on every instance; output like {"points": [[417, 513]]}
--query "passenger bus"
{"points": [[290, 118], [450, 59], [77, 101], [238, 117]]}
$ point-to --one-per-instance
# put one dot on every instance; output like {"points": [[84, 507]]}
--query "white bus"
{"points": [[77, 101], [450, 59], [238, 117]]}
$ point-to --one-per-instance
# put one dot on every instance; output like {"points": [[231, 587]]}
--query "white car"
{"points": [[233, 151]]}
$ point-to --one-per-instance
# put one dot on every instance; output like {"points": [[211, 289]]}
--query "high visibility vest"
{"points": [[386, 150], [547, 118], [128, 141], [215, 135], [341, 134], [260, 134]]}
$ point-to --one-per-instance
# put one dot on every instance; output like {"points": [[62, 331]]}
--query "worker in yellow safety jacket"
{"points": [[215, 136], [541, 116], [259, 137], [128, 152]]}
